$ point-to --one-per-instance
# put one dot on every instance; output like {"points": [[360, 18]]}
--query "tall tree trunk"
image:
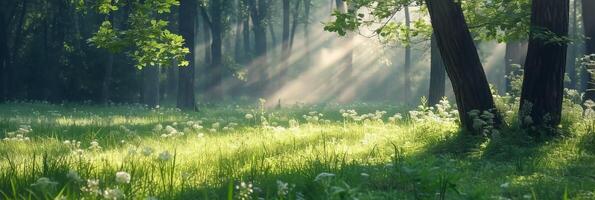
{"points": [[258, 13], [407, 67], [246, 39], [543, 81], [3, 58], [307, 7], [437, 75], [172, 82], [461, 60], [215, 22], [187, 14], [572, 49], [107, 79], [107, 76], [589, 25], [285, 36], [151, 86]]}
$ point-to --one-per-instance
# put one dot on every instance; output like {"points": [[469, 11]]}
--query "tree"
{"points": [[437, 75], [407, 67], [589, 25], [543, 80], [216, 26], [258, 14], [187, 16], [461, 60]]}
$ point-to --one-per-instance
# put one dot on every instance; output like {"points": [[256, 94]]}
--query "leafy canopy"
{"points": [[145, 38]]}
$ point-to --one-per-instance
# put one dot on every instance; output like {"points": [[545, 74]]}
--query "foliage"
{"points": [[146, 38], [501, 20]]}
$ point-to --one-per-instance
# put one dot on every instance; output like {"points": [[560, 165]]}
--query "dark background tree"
{"points": [[589, 24]]}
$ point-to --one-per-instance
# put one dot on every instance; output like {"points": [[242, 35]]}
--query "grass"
{"points": [[284, 154]]}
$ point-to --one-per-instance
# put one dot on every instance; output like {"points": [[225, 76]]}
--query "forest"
{"points": [[297, 99]]}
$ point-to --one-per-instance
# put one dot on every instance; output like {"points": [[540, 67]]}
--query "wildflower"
{"points": [[323, 176], [245, 190], [164, 156], [92, 187], [196, 127], [365, 175], [95, 145], [170, 130], [72, 175], [158, 128], [505, 185], [122, 177], [282, 188], [44, 184], [249, 116], [113, 194], [147, 151]]}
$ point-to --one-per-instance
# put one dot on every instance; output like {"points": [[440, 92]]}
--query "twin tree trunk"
{"points": [[543, 81], [461, 60], [589, 24], [437, 75], [187, 14]]}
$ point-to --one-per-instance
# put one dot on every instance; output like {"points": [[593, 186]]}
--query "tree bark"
{"points": [[3, 58], [187, 14], [543, 81], [285, 39], [407, 67], [215, 22], [107, 79], [307, 6], [572, 50], [461, 60], [437, 75], [258, 12], [589, 25], [151, 86]]}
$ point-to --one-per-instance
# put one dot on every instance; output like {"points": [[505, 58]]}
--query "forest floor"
{"points": [[299, 152]]}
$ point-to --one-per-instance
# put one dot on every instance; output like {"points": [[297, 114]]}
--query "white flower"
{"points": [[44, 184], [113, 194], [95, 145], [122, 177], [249, 116], [164, 156], [323, 176], [158, 128], [505, 185], [282, 188], [147, 151], [72, 175]]}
